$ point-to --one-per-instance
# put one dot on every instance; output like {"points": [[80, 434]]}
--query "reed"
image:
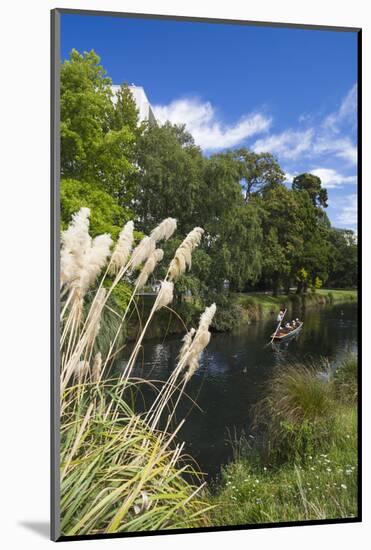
{"points": [[119, 471]]}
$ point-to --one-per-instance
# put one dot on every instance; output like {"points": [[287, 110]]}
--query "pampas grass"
{"points": [[119, 471], [183, 255], [149, 267], [121, 253], [192, 355], [165, 296], [164, 230], [75, 244], [142, 251]]}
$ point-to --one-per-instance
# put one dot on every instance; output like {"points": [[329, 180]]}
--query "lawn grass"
{"points": [[258, 306], [323, 487]]}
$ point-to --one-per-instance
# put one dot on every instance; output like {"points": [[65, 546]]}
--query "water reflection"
{"points": [[234, 370]]}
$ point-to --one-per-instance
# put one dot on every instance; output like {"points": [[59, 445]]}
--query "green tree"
{"points": [[343, 271], [312, 185], [97, 142], [125, 111], [257, 170], [283, 220], [106, 215], [169, 181]]}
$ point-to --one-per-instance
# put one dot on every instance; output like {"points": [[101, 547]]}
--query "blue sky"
{"points": [[291, 92]]}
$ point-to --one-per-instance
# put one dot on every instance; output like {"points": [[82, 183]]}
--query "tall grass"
{"points": [[305, 467], [119, 471], [296, 415], [117, 474]]}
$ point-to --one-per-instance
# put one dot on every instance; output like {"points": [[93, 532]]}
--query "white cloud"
{"points": [[202, 122], [287, 145], [340, 147], [347, 215], [289, 177], [347, 112], [326, 138], [331, 178]]}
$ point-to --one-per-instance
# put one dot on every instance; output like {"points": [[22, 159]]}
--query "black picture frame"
{"points": [[55, 266]]}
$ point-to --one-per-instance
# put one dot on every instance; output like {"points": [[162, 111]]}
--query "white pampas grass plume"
{"points": [[122, 249], [95, 260], [81, 370], [82, 258], [165, 295], [149, 267], [207, 317], [97, 367], [187, 341], [183, 254], [164, 230], [141, 252], [94, 316], [76, 242], [201, 339]]}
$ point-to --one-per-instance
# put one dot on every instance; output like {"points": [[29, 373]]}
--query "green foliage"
{"points": [[343, 271], [324, 486], [117, 474], [170, 177], [257, 171], [314, 432], [97, 137], [258, 233], [296, 414], [318, 283], [125, 112], [346, 379], [311, 184], [106, 215], [228, 313]]}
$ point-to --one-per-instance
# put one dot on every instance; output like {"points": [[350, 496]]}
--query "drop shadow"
{"points": [[41, 528]]}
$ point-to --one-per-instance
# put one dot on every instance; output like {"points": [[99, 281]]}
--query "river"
{"points": [[233, 371]]}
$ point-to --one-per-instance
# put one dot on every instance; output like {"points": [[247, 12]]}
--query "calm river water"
{"points": [[233, 371]]}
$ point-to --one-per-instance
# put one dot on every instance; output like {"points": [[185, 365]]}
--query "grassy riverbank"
{"points": [[238, 308], [256, 307], [306, 466]]}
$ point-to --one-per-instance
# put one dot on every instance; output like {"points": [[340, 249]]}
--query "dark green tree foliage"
{"points": [[169, 182], [282, 216], [176, 180], [312, 185], [257, 171], [343, 272]]}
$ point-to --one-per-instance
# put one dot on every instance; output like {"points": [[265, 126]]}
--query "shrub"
{"points": [[296, 415], [229, 314]]}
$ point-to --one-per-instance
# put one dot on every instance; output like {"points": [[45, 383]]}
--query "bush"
{"points": [[297, 413], [228, 314]]}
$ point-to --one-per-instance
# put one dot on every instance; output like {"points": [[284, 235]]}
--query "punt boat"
{"points": [[282, 334]]}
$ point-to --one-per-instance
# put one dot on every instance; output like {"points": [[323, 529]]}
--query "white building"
{"points": [[141, 101]]}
